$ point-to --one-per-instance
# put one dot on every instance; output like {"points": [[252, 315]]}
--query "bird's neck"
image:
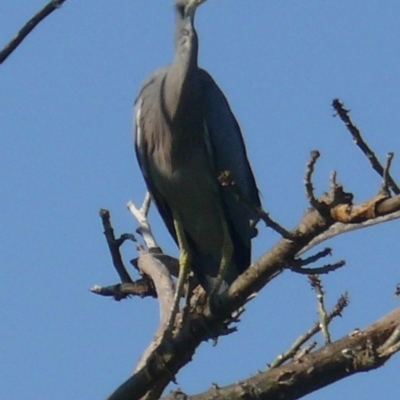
{"points": [[181, 82], [186, 44]]}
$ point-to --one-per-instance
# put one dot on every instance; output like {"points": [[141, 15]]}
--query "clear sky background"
{"points": [[66, 98]]}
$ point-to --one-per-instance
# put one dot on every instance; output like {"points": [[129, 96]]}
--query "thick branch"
{"points": [[340, 228], [164, 286], [28, 28], [357, 352], [169, 357]]}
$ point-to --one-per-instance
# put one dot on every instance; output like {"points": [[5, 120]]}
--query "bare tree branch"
{"points": [[293, 350], [165, 289], [140, 214], [298, 262], [114, 245], [341, 228], [316, 284], [297, 265], [355, 353], [28, 28], [225, 179], [141, 288], [314, 155], [167, 356], [164, 285], [325, 269], [386, 174], [343, 113]]}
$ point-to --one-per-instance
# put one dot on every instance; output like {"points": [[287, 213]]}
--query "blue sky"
{"points": [[66, 98]]}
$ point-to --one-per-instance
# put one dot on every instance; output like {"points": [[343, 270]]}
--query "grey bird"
{"points": [[186, 136]]}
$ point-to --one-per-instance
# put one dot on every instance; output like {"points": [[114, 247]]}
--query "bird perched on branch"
{"points": [[186, 136]]}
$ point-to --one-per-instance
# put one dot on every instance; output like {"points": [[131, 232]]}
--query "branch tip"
{"points": [[114, 246], [314, 155], [29, 27], [343, 114]]}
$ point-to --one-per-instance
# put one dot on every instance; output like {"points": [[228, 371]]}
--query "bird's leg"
{"points": [[226, 257], [184, 269], [189, 291]]}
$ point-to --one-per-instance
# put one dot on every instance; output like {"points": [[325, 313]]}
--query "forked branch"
{"points": [[343, 114]]}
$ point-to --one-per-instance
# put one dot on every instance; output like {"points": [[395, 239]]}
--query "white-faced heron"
{"points": [[186, 135]]}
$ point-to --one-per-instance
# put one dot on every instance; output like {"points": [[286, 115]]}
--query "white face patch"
{"points": [[138, 112]]}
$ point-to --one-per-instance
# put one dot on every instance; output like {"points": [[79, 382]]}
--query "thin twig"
{"points": [[325, 269], [303, 352], [273, 224], [386, 173], [314, 155], [146, 204], [141, 288], [341, 304], [124, 237], [114, 245], [28, 27], [144, 229], [298, 262], [323, 316], [337, 194], [333, 181], [226, 180], [392, 344], [343, 114]]}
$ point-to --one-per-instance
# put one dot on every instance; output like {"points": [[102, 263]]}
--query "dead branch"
{"points": [[165, 288], [28, 28], [140, 214], [120, 291], [341, 228], [114, 245], [314, 155], [298, 265], [386, 174], [316, 284], [225, 179], [294, 349], [343, 114], [298, 262], [370, 209], [161, 278], [325, 269], [355, 353], [169, 356]]}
